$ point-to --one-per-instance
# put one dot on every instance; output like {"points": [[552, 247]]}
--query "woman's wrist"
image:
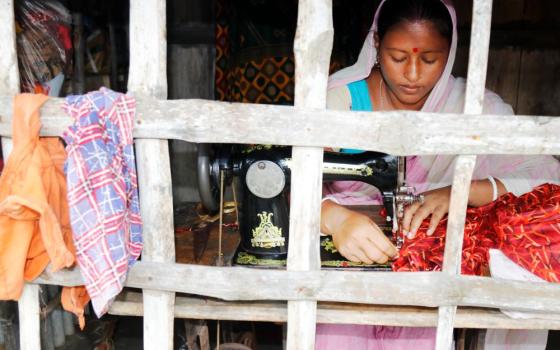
{"points": [[333, 216], [485, 191]]}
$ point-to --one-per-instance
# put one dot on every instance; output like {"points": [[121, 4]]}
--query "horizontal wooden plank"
{"points": [[398, 133], [428, 289], [130, 304]]}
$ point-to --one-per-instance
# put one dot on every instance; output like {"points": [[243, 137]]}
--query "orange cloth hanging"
{"points": [[34, 216]]}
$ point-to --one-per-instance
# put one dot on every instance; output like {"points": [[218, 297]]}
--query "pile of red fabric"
{"points": [[524, 228]]}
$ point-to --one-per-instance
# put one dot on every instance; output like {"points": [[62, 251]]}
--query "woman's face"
{"points": [[412, 56]]}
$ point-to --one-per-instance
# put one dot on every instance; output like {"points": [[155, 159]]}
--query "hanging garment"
{"points": [[34, 223], [103, 191]]}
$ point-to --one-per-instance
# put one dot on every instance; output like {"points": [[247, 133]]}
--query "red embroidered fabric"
{"points": [[524, 228]]}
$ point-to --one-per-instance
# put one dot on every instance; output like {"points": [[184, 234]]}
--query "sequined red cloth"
{"points": [[524, 228]]}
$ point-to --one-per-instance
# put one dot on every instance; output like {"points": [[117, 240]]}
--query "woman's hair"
{"points": [[394, 12]]}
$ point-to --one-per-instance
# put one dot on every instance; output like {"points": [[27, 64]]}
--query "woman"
{"points": [[406, 63]]}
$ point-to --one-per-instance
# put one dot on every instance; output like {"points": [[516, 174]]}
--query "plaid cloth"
{"points": [[102, 191]]}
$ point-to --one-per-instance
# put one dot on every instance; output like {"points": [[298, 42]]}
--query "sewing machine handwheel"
{"points": [[207, 188]]}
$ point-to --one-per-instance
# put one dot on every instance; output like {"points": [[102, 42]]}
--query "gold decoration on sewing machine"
{"points": [[266, 235], [328, 244], [252, 148]]}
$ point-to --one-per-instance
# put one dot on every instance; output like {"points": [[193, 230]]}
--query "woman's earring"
{"points": [[376, 64]]}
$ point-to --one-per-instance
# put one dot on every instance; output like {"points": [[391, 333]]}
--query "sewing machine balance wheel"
{"points": [[208, 189]]}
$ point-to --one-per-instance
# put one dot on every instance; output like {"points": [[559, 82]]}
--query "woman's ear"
{"points": [[376, 41]]}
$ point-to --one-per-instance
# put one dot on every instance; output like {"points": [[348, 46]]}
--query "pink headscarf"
{"points": [[362, 68]]}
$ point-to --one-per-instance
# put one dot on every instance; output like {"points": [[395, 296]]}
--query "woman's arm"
{"points": [[436, 204], [482, 191], [355, 235]]}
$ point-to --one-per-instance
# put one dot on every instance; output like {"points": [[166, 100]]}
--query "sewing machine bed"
{"points": [[201, 245]]}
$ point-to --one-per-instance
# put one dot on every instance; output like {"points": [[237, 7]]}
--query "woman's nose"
{"points": [[412, 72]]}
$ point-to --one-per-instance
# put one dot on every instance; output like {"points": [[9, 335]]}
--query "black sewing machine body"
{"points": [[265, 173]]}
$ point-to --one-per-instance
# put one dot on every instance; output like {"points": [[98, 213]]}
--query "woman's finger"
{"points": [[417, 219], [374, 253], [358, 255], [382, 242], [352, 258], [437, 215], [408, 214], [354, 253]]}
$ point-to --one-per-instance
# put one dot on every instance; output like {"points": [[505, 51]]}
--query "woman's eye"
{"points": [[398, 59], [428, 61]]}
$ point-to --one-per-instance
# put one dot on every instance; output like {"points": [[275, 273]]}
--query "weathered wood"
{"points": [[478, 56], [56, 319], [29, 313], [419, 133], [45, 325], [130, 304], [464, 166], [193, 77], [197, 331], [429, 289], [9, 75], [539, 86], [303, 251], [156, 205], [312, 50], [503, 72], [147, 74], [148, 77], [445, 324]]}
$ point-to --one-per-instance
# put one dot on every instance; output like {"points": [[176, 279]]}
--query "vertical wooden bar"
{"points": [[46, 327], [464, 166], [478, 56], [312, 49], [29, 318], [28, 305], [9, 74], [148, 77], [56, 318], [9, 84]]}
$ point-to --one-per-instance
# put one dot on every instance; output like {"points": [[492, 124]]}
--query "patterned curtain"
{"points": [[254, 46]]}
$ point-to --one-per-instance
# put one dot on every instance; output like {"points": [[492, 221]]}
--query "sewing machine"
{"points": [[265, 172]]}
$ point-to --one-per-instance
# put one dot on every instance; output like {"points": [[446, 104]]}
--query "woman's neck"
{"points": [[383, 98]]}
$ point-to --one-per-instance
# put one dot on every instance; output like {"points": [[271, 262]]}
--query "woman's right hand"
{"points": [[356, 236]]}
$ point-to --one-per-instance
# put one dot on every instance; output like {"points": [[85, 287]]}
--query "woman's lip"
{"points": [[410, 89]]}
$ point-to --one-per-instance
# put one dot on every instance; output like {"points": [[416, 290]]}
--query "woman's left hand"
{"points": [[436, 204]]}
